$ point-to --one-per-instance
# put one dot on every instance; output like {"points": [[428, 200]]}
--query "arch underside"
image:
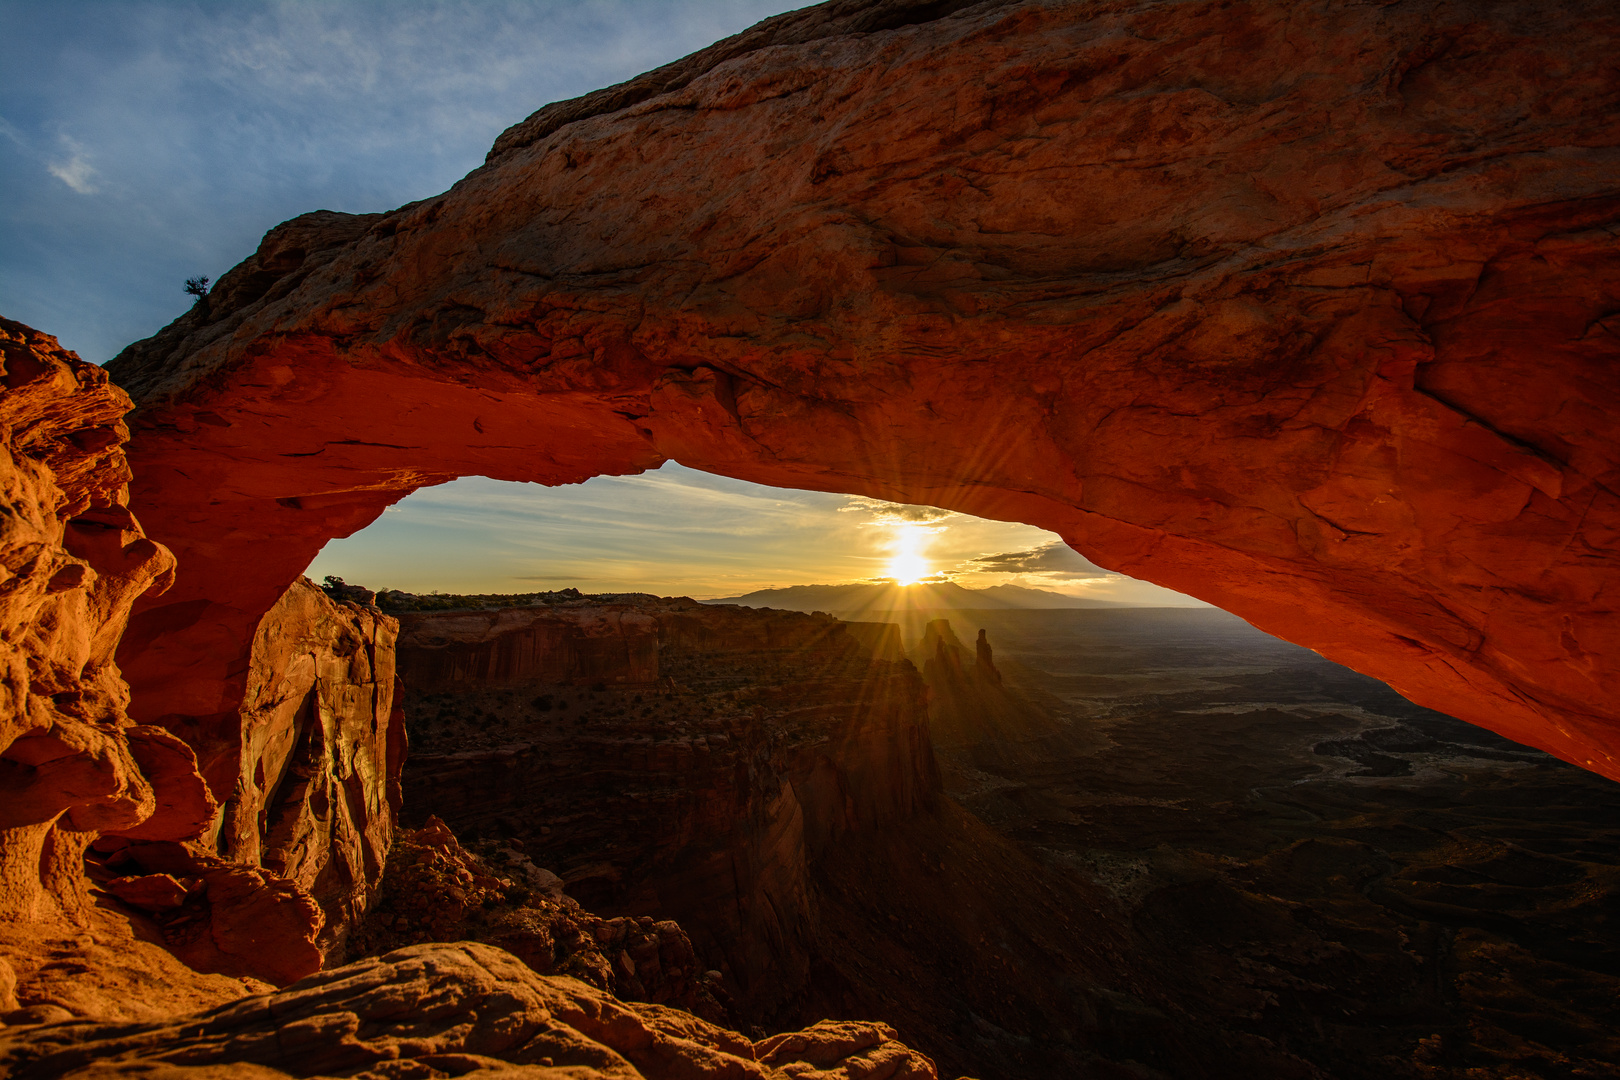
{"points": [[1319, 328]]}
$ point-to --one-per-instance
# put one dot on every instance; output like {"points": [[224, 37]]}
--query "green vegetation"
{"points": [[398, 600]]}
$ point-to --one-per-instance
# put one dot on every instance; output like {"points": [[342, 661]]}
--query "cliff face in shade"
{"points": [[595, 643], [1306, 310], [701, 779], [976, 720]]}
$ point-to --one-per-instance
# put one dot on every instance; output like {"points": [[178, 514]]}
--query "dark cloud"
{"points": [[1055, 559], [891, 513]]}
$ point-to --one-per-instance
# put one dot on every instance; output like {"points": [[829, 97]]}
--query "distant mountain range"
{"points": [[923, 596]]}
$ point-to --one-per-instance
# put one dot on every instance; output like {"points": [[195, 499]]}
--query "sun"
{"points": [[906, 562]]}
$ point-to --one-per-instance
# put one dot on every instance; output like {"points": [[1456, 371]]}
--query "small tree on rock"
{"points": [[197, 286]]}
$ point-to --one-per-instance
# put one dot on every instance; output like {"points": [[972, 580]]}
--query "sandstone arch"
{"points": [[1307, 310]]}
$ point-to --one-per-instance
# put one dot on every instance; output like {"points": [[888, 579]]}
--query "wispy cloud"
{"points": [[198, 126], [1055, 560], [74, 170], [892, 513]]}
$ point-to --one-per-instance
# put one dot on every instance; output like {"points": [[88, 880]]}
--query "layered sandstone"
{"points": [[451, 1010], [308, 781], [315, 789], [1306, 310], [115, 856]]}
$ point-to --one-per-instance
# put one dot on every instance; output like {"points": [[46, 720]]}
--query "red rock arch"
{"points": [[1306, 310]]}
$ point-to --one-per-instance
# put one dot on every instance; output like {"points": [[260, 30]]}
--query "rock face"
{"points": [[451, 1010], [700, 777], [308, 781], [265, 889], [1305, 310], [975, 719], [437, 890], [72, 764], [315, 788], [75, 560]]}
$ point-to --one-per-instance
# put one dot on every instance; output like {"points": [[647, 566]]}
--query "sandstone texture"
{"points": [[307, 778], [451, 1010], [112, 869], [1304, 309], [314, 792], [75, 559], [437, 890], [73, 765], [697, 769]]}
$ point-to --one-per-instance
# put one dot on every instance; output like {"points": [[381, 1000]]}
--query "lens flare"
{"points": [[906, 562]]}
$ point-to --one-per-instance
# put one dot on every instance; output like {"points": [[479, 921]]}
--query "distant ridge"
{"points": [[923, 596]]}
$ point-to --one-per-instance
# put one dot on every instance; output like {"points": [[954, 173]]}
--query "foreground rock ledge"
{"points": [[451, 1010], [1305, 309]]}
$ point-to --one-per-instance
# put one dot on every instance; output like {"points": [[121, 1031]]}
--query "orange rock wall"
{"points": [[74, 558], [316, 791], [306, 773], [73, 765], [1304, 309]]}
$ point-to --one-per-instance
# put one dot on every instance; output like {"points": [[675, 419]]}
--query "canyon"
{"points": [[149, 921], [1305, 310]]}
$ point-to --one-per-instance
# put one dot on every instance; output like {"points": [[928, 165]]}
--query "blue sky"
{"points": [[142, 143]]}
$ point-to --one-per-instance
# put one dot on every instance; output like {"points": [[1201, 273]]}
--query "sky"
{"points": [[677, 531], [143, 143]]}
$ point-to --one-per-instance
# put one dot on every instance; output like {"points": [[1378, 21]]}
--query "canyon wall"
{"points": [[696, 768], [977, 720], [73, 765], [315, 793], [1304, 309], [109, 829], [306, 777]]}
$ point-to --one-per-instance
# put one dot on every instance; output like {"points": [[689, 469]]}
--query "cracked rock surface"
{"points": [[451, 1010]]}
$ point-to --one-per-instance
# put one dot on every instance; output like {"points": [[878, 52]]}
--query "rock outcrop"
{"points": [[314, 792], [977, 721], [437, 890], [73, 765], [113, 868], [1305, 310], [696, 769], [75, 559], [307, 775], [451, 1010]]}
